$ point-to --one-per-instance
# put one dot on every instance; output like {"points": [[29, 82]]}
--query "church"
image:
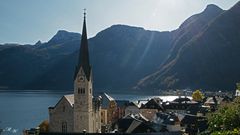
{"points": [[80, 111]]}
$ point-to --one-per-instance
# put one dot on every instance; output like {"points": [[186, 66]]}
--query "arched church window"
{"points": [[63, 108], [79, 90], [64, 127], [82, 90]]}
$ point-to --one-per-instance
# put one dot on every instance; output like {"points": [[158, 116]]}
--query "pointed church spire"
{"points": [[83, 60]]}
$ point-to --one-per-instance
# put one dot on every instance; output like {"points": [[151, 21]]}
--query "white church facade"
{"points": [[80, 111]]}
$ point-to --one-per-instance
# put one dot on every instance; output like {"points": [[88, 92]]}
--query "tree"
{"points": [[197, 96], [232, 132], [226, 118], [238, 86], [44, 126]]}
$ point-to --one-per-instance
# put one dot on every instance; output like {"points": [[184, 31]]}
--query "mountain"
{"points": [[120, 56], [123, 55], [21, 64], [63, 42], [63, 36], [202, 53], [191, 27], [208, 59]]}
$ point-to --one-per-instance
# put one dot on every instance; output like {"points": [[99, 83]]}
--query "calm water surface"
{"points": [[23, 110]]}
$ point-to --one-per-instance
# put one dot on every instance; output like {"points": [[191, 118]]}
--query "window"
{"points": [[80, 78], [63, 108], [81, 90], [64, 127], [90, 91]]}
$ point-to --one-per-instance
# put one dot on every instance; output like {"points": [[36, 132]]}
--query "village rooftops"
{"points": [[155, 103], [197, 109], [134, 123], [178, 107], [133, 104], [182, 99], [138, 116], [194, 123], [166, 118]]}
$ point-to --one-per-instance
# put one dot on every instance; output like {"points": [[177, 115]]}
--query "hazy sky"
{"points": [[27, 21]]}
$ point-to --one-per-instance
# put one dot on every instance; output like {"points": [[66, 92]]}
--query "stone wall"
{"points": [[63, 112]]}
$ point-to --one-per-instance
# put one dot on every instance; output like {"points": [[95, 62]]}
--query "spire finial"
{"points": [[83, 60], [84, 12]]}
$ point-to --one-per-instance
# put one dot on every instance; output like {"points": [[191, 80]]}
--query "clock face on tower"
{"points": [[80, 78]]}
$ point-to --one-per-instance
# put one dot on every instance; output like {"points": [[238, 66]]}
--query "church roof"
{"points": [[70, 99], [108, 97], [106, 100], [83, 60]]}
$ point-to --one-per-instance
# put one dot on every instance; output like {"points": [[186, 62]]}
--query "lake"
{"points": [[26, 109]]}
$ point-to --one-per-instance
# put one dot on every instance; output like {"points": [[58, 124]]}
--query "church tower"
{"points": [[83, 99]]}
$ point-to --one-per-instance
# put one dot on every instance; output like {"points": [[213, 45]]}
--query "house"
{"points": [[237, 94], [132, 108], [32, 131], [212, 102], [121, 106], [198, 110], [108, 109], [193, 124], [178, 107], [167, 120], [104, 117], [182, 99], [133, 123], [226, 99], [149, 109]]}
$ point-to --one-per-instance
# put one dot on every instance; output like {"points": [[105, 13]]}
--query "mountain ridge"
{"points": [[191, 68], [124, 40], [121, 56]]}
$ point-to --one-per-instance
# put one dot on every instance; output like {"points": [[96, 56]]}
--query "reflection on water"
{"points": [[26, 109]]}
